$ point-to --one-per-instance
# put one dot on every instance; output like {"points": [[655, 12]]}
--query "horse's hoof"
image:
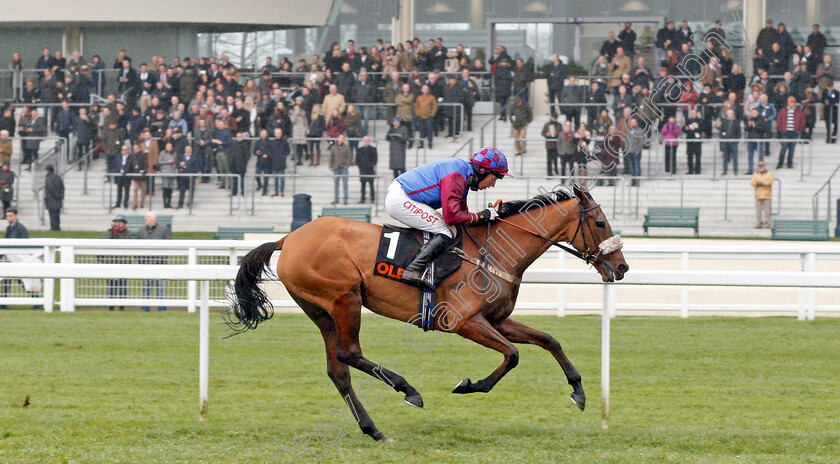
{"points": [[415, 400], [463, 386], [385, 439], [378, 436], [579, 400]]}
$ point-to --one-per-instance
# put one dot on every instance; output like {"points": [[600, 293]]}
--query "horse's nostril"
{"points": [[623, 268]]}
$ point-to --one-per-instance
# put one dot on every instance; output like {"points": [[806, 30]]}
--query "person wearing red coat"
{"points": [[791, 123]]}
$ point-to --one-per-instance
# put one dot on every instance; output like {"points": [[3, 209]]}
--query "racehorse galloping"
{"points": [[327, 266]]}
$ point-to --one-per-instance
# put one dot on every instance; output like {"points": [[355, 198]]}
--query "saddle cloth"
{"points": [[399, 245]]}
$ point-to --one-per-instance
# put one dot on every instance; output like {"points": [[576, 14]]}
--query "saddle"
{"points": [[399, 245], [397, 248]]}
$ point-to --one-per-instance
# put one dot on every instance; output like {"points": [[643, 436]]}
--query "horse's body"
{"points": [[327, 266]]}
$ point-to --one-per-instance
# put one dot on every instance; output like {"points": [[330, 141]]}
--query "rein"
{"points": [[591, 256]]}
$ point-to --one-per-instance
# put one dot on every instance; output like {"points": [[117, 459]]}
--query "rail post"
{"points": [[609, 306], [204, 350], [68, 286]]}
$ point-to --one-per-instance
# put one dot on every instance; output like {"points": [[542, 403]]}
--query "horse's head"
{"points": [[595, 240]]}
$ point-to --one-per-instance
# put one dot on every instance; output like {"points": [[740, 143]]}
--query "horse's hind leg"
{"points": [[347, 317], [338, 372], [518, 332], [480, 331]]}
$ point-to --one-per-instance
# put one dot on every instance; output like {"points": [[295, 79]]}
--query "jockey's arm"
{"points": [[454, 202]]}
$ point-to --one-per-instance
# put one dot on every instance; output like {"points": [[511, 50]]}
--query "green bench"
{"points": [[800, 229], [136, 222], [238, 233], [673, 217], [359, 213]]}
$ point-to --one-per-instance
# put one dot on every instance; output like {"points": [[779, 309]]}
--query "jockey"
{"points": [[414, 197]]}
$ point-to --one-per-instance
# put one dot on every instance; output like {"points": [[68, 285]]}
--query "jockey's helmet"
{"points": [[492, 160]]}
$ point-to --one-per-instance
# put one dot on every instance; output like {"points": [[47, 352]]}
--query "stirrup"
{"points": [[417, 281]]}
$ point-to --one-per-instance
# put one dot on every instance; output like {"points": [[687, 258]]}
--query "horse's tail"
{"points": [[251, 305]]}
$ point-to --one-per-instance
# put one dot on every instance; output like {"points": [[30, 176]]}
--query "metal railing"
{"points": [[636, 204], [379, 188], [235, 202], [815, 199]]}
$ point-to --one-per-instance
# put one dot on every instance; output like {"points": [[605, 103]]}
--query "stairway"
{"points": [[625, 206]]}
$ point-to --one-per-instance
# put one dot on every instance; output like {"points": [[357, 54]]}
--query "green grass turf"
{"points": [[123, 388]]}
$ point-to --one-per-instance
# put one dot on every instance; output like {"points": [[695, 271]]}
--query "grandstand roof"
{"points": [[209, 15]]}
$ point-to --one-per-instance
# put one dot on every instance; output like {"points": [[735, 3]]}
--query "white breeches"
{"points": [[414, 214]]}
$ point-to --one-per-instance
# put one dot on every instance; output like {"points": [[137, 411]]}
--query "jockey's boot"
{"points": [[413, 273]]}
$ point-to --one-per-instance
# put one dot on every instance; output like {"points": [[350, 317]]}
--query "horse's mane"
{"points": [[510, 208]]}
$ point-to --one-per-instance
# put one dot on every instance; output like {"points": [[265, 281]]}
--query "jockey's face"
{"points": [[489, 181]]}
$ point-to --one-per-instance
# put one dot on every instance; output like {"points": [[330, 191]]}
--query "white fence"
{"points": [[808, 279], [135, 261]]}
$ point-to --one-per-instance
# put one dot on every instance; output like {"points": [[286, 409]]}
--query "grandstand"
{"points": [[726, 203]]}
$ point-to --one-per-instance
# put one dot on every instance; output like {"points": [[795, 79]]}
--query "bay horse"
{"points": [[327, 266]]}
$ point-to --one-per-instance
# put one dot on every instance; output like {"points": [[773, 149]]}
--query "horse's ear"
{"points": [[580, 193]]}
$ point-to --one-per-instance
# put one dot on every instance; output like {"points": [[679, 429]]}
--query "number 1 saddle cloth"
{"points": [[399, 245]]}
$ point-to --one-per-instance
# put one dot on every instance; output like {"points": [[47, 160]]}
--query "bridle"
{"points": [[591, 254]]}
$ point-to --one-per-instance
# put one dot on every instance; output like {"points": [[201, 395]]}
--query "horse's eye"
{"points": [[600, 224]]}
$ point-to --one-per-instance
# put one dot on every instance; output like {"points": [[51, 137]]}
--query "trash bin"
{"points": [[301, 210]]}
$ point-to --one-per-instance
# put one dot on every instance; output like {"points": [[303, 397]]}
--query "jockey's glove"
{"points": [[489, 214]]}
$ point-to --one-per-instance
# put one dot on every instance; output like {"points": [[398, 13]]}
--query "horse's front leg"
{"points": [[518, 332], [480, 331]]}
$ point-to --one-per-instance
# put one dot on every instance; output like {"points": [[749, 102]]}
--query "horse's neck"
{"points": [[515, 249]]}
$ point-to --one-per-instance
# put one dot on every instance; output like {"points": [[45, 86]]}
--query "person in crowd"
{"points": [[188, 163], [670, 134], [113, 138], [762, 181], [571, 98], [522, 78], [582, 138], [5, 147], [352, 127], [153, 230], [635, 144], [240, 153], [139, 165], [471, 95], [397, 137], [520, 116], [550, 131], [335, 125], [619, 66], [122, 169], [222, 140], [503, 79], [567, 148], [768, 113], [262, 152], [280, 151], [299, 128], [405, 111], [167, 160], [825, 74], [790, 123], [317, 126], [340, 160], [609, 46], [809, 107], [766, 37], [366, 159], [665, 40], [730, 133], [53, 197], [816, 41], [425, 109], [596, 101], [755, 126], [627, 38], [14, 229], [202, 146], [117, 288], [830, 99], [34, 128], [7, 186]]}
